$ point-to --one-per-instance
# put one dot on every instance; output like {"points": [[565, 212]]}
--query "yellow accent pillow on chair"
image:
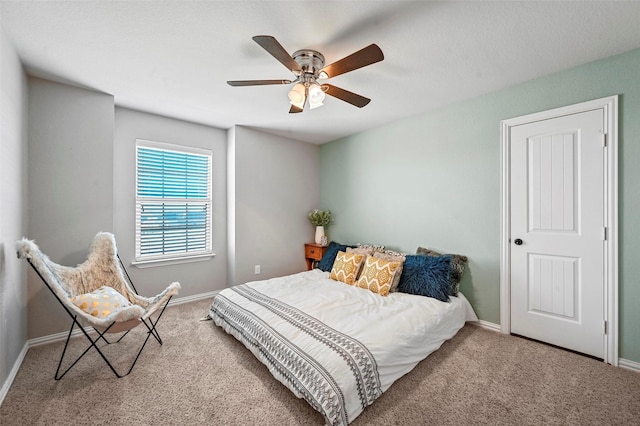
{"points": [[101, 303]]}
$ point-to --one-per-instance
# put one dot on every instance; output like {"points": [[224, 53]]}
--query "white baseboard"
{"points": [[629, 365], [187, 299], [486, 325], [14, 371], [43, 340]]}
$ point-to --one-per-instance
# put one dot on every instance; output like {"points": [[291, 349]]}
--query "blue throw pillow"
{"points": [[426, 276], [326, 263]]}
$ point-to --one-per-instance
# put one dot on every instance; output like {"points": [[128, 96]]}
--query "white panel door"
{"points": [[557, 231]]}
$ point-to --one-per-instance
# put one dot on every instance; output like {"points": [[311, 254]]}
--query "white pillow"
{"points": [[101, 303]]}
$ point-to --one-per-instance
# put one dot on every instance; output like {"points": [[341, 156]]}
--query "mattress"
{"points": [[337, 346]]}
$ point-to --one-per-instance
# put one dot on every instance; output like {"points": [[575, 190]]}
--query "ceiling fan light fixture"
{"points": [[297, 95], [316, 96], [313, 105]]}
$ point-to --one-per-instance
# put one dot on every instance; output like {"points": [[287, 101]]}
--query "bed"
{"points": [[337, 346]]}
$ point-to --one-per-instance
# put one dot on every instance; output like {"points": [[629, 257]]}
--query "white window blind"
{"points": [[173, 201]]}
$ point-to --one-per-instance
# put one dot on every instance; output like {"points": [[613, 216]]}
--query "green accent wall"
{"points": [[433, 180]]}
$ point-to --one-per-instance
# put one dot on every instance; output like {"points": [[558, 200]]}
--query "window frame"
{"points": [[146, 260]]}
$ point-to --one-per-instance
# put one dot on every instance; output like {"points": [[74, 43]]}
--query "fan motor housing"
{"points": [[310, 61]]}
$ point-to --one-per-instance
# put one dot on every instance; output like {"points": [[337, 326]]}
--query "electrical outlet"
{"points": [[257, 269]]}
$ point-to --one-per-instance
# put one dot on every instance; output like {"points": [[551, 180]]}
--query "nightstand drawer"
{"points": [[312, 252]]}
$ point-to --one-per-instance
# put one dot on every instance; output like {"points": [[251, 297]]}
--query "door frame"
{"points": [[610, 106]]}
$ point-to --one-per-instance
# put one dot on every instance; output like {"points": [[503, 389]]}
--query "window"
{"points": [[173, 202]]}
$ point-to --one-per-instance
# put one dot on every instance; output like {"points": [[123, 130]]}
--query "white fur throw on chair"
{"points": [[102, 268]]}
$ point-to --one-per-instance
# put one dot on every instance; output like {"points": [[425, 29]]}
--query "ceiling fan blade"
{"points": [[271, 45], [363, 57], [345, 95], [257, 82], [299, 108]]}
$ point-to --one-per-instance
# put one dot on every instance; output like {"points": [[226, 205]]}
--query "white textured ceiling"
{"points": [[174, 57]]}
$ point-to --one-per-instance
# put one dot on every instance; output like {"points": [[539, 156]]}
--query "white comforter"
{"points": [[337, 346]]}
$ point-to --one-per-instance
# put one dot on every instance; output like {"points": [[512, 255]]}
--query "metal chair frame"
{"points": [[149, 323]]}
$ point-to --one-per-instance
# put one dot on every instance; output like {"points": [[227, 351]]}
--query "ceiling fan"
{"points": [[308, 67]]}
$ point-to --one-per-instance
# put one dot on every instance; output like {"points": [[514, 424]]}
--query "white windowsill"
{"points": [[174, 261]]}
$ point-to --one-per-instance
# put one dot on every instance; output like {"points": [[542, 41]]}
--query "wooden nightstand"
{"points": [[313, 253]]}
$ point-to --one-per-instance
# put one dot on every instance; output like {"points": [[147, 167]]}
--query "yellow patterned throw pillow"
{"points": [[101, 302], [378, 275], [346, 267], [392, 256]]}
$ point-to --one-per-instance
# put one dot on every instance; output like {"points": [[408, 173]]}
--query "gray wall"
{"points": [[70, 184], [82, 180], [274, 183], [434, 180], [13, 204], [197, 277]]}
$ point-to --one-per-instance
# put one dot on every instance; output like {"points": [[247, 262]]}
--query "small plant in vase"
{"points": [[321, 219]]}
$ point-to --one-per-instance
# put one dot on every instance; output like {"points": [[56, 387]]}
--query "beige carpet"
{"points": [[201, 375]]}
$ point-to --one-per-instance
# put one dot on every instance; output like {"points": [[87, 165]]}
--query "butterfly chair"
{"points": [[96, 293]]}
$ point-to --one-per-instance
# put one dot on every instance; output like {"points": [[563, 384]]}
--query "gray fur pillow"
{"points": [[458, 263]]}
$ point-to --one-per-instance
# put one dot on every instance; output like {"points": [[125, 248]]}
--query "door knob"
{"points": [[518, 242]]}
